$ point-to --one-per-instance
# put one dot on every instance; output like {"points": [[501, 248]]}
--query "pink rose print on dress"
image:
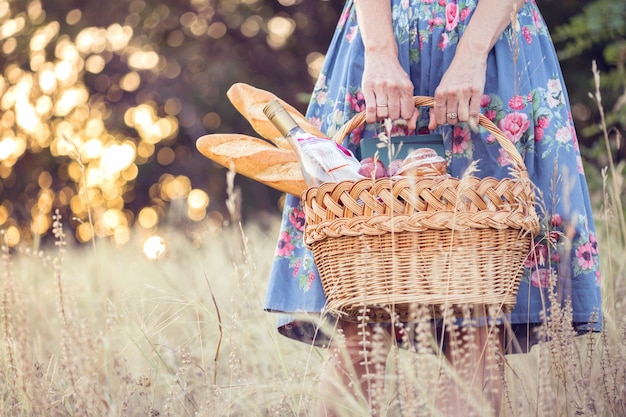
{"points": [[593, 244], [563, 135], [452, 16], [321, 97], [517, 103], [491, 114], [527, 35], [537, 20], [444, 41], [352, 34], [584, 256], [464, 14], [543, 121], [316, 122], [297, 219], [504, 159], [357, 102], [284, 247], [540, 278], [460, 140], [485, 100], [432, 23], [343, 17], [514, 125], [296, 267], [537, 257]]}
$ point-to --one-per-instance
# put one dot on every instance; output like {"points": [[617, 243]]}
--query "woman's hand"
{"points": [[458, 95], [457, 98], [388, 90]]}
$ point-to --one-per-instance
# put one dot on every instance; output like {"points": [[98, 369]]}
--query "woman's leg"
{"points": [[355, 372], [476, 355]]}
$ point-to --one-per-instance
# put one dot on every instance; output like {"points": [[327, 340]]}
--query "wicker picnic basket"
{"points": [[382, 247]]}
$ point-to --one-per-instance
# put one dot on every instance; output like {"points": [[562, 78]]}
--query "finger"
{"points": [[474, 112], [432, 122], [393, 107], [412, 121], [452, 110], [370, 105], [463, 111], [407, 107], [382, 111], [439, 109]]}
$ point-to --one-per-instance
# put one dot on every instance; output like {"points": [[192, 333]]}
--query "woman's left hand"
{"points": [[457, 98]]}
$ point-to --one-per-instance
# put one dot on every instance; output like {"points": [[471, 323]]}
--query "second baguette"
{"points": [[256, 159], [249, 101]]}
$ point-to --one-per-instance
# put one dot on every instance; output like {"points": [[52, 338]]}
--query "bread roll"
{"points": [[419, 154], [256, 159], [249, 101], [423, 162]]}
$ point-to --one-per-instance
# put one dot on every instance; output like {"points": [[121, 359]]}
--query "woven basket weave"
{"points": [[383, 246]]}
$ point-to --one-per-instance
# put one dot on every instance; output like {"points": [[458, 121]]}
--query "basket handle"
{"points": [[422, 101]]}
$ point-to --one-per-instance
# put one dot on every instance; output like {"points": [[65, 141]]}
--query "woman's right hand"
{"points": [[388, 90]]}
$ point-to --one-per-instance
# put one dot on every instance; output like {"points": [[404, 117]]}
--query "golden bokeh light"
{"points": [[118, 36], [198, 199], [166, 156], [73, 17], [196, 214], [252, 26], [154, 247], [12, 27], [174, 187], [84, 232], [130, 82], [314, 61], [12, 236], [217, 30], [115, 158], [4, 215], [95, 64], [143, 60], [279, 30], [148, 218], [81, 129]]}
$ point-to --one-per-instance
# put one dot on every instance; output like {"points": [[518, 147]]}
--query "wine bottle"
{"points": [[321, 159]]}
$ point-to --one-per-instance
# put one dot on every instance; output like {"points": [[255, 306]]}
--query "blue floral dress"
{"points": [[524, 96]]}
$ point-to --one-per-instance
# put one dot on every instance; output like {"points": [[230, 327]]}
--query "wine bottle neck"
{"points": [[280, 118]]}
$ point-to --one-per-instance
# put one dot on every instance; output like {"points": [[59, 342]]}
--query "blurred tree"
{"points": [[132, 85], [596, 32]]}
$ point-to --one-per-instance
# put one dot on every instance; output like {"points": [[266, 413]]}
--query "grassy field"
{"points": [[105, 331]]}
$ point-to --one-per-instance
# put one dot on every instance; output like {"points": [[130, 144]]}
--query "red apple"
{"points": [[371, 167], [394, 167]]}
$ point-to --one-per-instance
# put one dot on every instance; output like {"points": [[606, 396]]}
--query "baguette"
{"points": [[249, 101], [256, 159]]}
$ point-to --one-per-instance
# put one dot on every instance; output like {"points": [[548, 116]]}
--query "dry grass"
{"points": [[187, 335]]}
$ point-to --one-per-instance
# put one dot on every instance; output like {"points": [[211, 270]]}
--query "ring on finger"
{"points": [[451, 116]]}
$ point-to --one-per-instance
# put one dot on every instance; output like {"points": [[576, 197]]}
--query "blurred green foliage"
{"points": [[597, 32]]}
